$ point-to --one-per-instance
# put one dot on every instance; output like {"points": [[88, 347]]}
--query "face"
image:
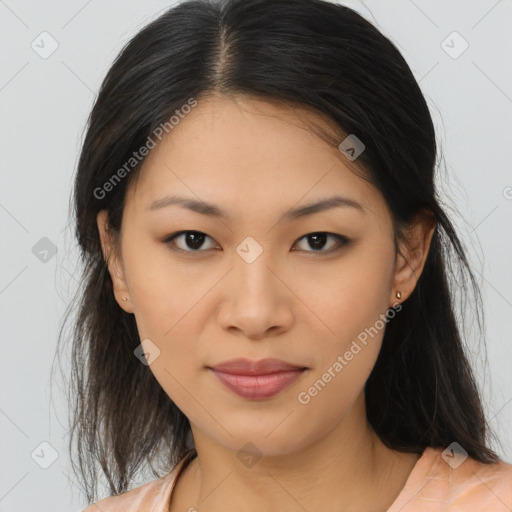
{"points": [[253, 282]]}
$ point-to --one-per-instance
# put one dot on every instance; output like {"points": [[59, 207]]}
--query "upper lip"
{"points": [[243, 366]]}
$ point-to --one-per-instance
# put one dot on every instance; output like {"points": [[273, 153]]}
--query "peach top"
{"points": [[432, 486]]}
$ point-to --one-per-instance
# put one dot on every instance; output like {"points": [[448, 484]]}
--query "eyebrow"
{"points": [[212, 210]]}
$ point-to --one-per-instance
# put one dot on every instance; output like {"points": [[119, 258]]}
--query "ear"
{"points": [[412, 255], [111, 253]]}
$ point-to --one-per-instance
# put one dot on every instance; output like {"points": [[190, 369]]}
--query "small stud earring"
{"points": [[125, 298], [398, 295]]}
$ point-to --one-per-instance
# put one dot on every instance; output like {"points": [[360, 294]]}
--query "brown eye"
{"points": [[318, 241], [190, 241], [193, 241]]}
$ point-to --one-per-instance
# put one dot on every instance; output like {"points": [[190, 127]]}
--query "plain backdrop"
{"points": [[460, 51]]}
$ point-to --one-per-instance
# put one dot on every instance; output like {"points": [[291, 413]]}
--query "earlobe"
{"points": [[413, 255], [114, 265]]}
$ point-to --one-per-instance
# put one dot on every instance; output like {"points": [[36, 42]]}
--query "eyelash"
{"points": [[342, 241]]}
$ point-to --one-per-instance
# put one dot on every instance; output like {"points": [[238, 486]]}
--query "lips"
{"points": [[263, 367], [257, 379]]}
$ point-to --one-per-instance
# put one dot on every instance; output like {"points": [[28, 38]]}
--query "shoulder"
{"points": [[152, 496], [468, 483], [138, 499], [489, 485]]}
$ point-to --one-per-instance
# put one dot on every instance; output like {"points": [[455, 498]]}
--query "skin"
{"points": [[295, 302]]}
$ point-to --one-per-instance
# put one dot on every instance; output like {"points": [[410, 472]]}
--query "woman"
{"points": [[267, 308]]}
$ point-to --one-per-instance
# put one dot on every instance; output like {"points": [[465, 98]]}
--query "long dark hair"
{"points": [[328, 59]]}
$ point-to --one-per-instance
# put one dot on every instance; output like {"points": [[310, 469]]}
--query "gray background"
{"points": [[44, 105]]}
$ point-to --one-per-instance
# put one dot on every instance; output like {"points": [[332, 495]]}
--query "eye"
{"points": [[318, 239], [192, 240]]}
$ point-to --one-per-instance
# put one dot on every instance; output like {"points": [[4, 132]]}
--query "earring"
{"points": [[398, 295], [125, 298]]}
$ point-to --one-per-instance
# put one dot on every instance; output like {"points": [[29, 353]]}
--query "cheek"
{"points": [[330, 394], [169, 309], [165, 315], [160, 293], [344, 297], [350, 308], [343, 362]]}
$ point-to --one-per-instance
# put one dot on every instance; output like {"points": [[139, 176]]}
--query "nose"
{"points": [[257, 303]]}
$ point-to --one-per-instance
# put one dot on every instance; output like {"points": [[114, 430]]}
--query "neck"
{"points": [[347, 469]]}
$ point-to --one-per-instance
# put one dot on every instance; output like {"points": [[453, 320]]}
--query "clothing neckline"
{"points": [[420, 476], [174, 475]]}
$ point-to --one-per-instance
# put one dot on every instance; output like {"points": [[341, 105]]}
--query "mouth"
{"points": [[257, 380]]}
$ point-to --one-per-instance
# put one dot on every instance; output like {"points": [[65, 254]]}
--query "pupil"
{"points": [[315, 245], [194, 244]]}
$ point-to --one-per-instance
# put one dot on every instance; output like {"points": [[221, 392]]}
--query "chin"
{"points": [[265, 442]]}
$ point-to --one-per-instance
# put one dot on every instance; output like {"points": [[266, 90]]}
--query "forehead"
{"points": [[250, 154]]}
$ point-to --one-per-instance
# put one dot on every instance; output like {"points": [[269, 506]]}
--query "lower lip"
{"points": [[258, 387]]}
